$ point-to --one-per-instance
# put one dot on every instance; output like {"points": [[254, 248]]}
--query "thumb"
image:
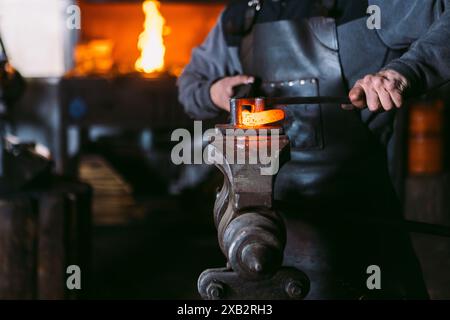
{"points": [[358, 96], [240, 79]]}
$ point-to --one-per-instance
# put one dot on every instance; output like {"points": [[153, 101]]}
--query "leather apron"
{"points": [[336, 166]]}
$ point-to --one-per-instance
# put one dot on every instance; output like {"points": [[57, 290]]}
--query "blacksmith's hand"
{"points": [[384, 90], [223, 90]]}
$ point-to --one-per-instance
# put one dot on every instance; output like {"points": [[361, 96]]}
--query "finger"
{"points": [[240, 79], [383, 95], [226, 106], [395, 93], [357, 96], [372, 100], [396, 86], [397, 97], [223, 102], [229, 91]]}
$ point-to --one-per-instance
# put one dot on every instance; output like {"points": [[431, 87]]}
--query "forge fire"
{"points": [[151, 41], [153, 36]]}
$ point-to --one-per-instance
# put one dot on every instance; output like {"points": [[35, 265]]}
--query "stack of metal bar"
{"points": [[113, 202]]}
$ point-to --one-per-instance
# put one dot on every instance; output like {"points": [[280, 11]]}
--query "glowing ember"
{"points": [[255, 119], [151, 43]]}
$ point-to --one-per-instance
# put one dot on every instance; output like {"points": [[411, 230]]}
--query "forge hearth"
{"points": [[111, 33], [127, 60]]}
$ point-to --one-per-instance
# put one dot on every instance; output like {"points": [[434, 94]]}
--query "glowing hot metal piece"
{"points": [[256, 119]]}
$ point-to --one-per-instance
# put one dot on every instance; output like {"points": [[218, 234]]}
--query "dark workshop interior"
{"points": [[87, 115]]}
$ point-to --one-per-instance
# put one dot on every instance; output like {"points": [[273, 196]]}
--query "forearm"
{"points": [[194, 95], [209, 63], [427, 62], [422, 29]]}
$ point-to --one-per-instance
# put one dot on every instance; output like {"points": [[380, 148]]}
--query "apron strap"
{"points": [[324, 7], [254, 6]]}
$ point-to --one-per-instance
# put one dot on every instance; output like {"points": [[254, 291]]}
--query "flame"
{"points": [[93, 57], [255, 119], [151, 42]]}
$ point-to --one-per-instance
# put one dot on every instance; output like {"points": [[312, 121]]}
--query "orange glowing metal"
{"points": [[151, 42], [255, 119]]}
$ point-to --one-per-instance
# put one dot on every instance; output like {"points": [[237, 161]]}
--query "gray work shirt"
{"points": [[421, 28], [414, 39]]}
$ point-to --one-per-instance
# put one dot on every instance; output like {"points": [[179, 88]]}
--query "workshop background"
{"points": [[87, 177]]}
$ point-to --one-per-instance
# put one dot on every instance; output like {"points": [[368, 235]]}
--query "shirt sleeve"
{"points": [[209, 62], [422, 28]]}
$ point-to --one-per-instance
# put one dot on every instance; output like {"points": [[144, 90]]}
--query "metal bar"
{"points": [[397, 223], [427, 228], [306, 100], [406, 225]]}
